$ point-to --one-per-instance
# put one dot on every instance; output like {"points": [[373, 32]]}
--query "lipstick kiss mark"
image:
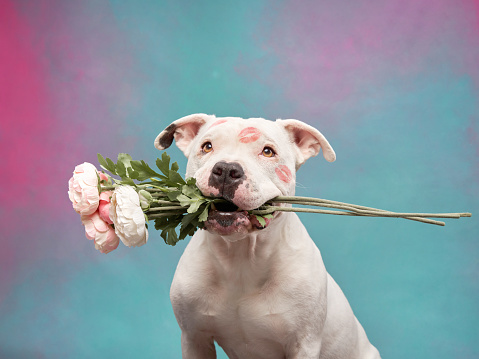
{"points": [[249, 134], [219, 122], [284, 173]]}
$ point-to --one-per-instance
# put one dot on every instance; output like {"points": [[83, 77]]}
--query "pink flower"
{"points": [[83, 189], [128, 217], [104, 206], [101, 232]]}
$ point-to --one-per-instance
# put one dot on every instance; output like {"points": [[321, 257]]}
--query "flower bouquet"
{"points": [[114, 209]]}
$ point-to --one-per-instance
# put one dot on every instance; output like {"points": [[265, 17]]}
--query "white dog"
{"points": [[258, 292]]}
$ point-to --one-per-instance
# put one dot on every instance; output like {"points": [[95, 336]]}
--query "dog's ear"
{"points": [[308, 140], [183, 131]]}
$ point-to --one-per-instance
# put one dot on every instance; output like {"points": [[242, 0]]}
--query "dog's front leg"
{"points": [[195, 346]]}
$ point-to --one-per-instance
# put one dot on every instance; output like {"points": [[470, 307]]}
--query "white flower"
{"points": [[83, 189], [97, 229], [127, 216]]}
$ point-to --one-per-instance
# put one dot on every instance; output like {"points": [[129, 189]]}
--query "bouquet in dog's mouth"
{"points": [[114, 209]]}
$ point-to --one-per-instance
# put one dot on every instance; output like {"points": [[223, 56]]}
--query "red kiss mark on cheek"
{"points": [[284, 173], [249, 134], [219, 122]]}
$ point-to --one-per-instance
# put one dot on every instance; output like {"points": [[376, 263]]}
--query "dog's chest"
{"points": [[248, 322]]}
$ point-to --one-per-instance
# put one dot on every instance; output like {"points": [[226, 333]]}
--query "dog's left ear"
{"points": [[183, 131], [308, 140]]}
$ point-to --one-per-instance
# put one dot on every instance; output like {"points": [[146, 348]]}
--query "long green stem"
{"points": [[165, 214], [167, 208], [365, 210], [271, 209], [382, 212], [160, 201]]}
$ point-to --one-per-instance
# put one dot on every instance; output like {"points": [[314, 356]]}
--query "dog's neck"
{"points": [[251, 259]]}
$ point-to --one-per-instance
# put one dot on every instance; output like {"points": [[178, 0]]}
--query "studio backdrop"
{"points": [[393, 85]]}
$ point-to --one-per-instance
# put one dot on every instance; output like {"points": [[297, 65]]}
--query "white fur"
{"points": [[259, 293]]}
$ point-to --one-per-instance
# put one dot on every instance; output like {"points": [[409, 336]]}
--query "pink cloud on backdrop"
{"points": [[58, 79], [26, 113], [389, 40], [57, 74], [25, 110]]}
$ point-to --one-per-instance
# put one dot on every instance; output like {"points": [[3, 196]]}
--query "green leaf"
{"points": [[132, 173], [188, 230], [111, 165], [191, 191], [195, 205], [171, 236], [175, 179], [144, 171], [187, 219], [161, 223], [190, 181], [106, 164], [175, 167], [260, 220], [204, 215], [127, 181], [173, 195], [121, 169], [167, 226], [194, 230], [98, 182], [125, 158], [163, 164], [185, 201], [123, 165], [192, 203], [102, 162]]}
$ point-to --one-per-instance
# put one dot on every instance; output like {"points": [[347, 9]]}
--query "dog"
{"points": [[260, 292]]}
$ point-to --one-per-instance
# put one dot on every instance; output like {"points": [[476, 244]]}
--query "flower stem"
{"points": [[165, 214], [107, 188], [159, 201], [328, 203], [271, 209], [167, 208]]}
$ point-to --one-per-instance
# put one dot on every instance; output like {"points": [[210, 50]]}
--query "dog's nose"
{"points": [[226, 177], [228, 171]]}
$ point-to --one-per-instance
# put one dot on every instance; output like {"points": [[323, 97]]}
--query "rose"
{"points": [[104, 206], [83, 189], [128, 217], [101, 232]]}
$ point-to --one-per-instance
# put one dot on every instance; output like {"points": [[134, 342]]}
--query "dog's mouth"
{"points": [[225, 206], [226, 218]]}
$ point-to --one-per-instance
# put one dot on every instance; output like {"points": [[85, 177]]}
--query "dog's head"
{"points": [[245, 161]]}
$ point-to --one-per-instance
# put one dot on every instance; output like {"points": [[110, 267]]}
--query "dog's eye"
{"points": [[268, 152], [207, 147]]}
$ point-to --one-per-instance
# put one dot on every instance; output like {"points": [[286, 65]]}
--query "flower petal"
{"points": [[128, 217]]}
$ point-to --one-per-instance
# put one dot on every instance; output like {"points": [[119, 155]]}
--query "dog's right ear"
{"points": [[183, 131]]}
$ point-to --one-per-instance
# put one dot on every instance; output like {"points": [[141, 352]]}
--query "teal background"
{"points": [[393, 85]]}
